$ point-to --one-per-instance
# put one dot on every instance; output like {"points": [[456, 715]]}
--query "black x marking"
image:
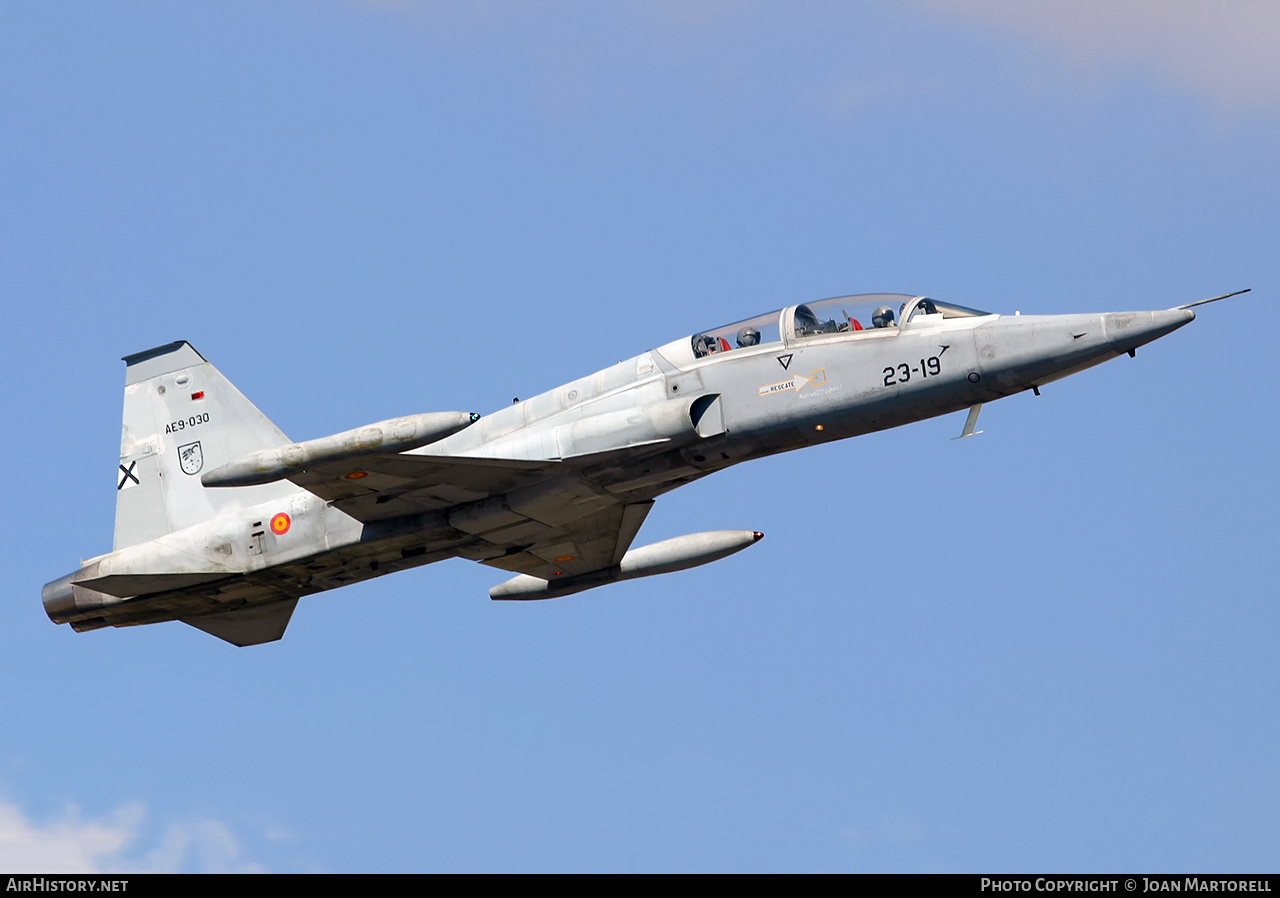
{"points": [[128, 475]]}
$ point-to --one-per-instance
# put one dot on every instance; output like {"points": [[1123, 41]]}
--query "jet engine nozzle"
{"points": [[65, 600]]}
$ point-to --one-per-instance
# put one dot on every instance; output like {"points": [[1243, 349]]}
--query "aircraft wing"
{"points": [[540, 519], [591, 543], [379, 487]]}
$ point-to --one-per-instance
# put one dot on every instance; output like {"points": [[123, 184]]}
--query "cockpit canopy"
{"points": [[867, 312]]}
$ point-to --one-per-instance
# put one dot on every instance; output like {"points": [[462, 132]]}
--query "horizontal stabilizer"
{"points": [[248, 626], [127, 585]]}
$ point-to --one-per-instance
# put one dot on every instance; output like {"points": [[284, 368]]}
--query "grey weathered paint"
{"points": [[553, 488]]}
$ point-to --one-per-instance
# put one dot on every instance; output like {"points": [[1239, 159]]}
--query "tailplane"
{"points": [[181, 417]]}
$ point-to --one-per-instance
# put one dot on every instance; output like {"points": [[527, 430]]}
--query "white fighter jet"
{"points": [[223, 523]]}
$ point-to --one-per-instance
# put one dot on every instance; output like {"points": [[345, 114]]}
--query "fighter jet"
{"points": [[223, 523]]}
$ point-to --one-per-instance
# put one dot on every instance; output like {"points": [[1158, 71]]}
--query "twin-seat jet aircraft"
{"points": [[223, 523]]}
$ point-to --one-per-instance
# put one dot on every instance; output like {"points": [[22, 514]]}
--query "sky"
{"points": [[1050, 648]]}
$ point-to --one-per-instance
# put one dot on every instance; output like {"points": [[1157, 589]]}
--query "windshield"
{"points": [[926, 306], [755, 331]]}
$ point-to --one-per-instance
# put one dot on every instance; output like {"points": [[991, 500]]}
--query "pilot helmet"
{"points": [[748, 336], [883, 317]]}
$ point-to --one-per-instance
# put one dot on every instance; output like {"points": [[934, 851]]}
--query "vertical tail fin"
{"points": [[181, 417]]}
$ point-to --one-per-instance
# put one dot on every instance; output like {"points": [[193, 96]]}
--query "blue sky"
{"points": [[1048, 648]]}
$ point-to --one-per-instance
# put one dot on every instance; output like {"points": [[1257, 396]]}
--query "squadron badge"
{"points": [[191, 458]]}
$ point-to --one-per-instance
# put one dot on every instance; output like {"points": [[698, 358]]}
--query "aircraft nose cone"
{"points": [[1129, 330]]}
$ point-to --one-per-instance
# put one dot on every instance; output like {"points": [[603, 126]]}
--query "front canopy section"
{"points": [[868, 313], [845, 314]]}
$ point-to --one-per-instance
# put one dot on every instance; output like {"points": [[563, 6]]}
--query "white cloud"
{"points": [[69, 843], [1223, 51], [65, 845]]}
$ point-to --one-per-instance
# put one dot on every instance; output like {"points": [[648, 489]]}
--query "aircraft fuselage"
{"points": [[603, 445]]}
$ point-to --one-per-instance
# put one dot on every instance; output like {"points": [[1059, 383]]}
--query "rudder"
{"points": [[181, 417]]}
